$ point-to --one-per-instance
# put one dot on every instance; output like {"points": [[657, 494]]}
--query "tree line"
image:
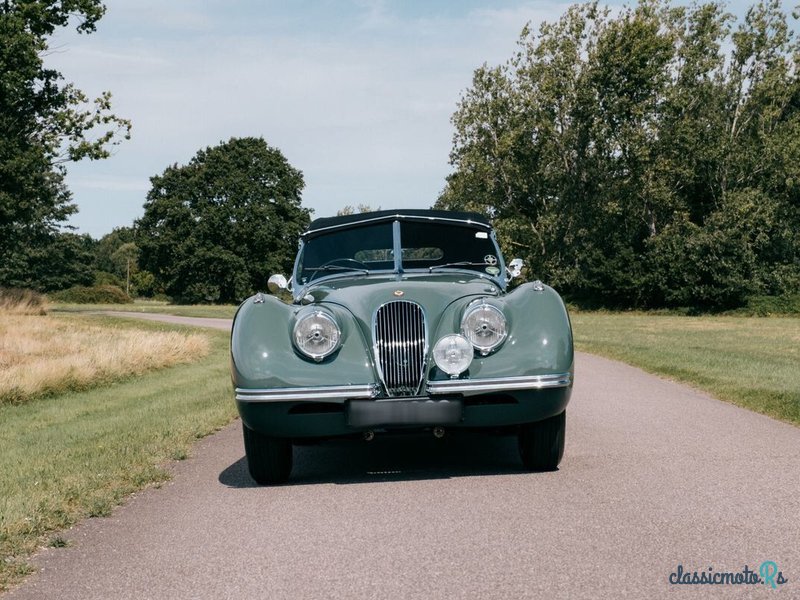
{"points": [[213, 231], [647, 158]]}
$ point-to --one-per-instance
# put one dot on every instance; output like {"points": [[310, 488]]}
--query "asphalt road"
{"points": [[655, 475]]}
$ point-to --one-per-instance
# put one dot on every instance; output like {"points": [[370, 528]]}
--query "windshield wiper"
{"points": [[463, 263], [315, 270]]}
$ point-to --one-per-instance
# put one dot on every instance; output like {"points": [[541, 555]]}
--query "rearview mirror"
{"points": [[277, 283]]}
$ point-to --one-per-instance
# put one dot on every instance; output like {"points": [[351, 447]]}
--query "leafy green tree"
{"points": [[116, 262], [44, 123], [64, 262], [645, 159], [215, 229], [108, 245], [126, 258]]}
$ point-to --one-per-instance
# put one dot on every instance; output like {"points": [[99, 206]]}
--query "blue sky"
{"points": [[357, 94]]}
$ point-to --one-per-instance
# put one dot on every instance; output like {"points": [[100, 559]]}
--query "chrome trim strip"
{"points": [[312, 394], [499, 384]]}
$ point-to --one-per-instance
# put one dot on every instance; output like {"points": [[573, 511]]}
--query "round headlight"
{"points": [[316, 335], [453, 354], [484, 326]]}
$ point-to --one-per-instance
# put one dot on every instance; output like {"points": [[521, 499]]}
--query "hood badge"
{"points": [[399, 293]]}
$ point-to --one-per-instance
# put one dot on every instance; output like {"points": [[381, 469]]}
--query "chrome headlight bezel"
{"points": [[485, 326], [318, 327]]}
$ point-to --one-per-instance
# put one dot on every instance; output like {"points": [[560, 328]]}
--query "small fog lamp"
{"points": [[453, 354]]}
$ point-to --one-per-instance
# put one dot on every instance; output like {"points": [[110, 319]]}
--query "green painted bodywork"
{"points": [[263, 356], [539, 335]]}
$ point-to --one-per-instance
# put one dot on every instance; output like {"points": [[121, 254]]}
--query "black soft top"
{"points": [[389, 215]]}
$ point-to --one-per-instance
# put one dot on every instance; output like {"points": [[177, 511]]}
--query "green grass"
{"points": [[225, 311], [78, 455], [751, 362]]}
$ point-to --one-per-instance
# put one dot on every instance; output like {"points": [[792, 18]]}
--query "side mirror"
{"points": [[514, 268], [277, 283]]}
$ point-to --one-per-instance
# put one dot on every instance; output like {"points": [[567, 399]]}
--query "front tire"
{"points": [[269, 459], [541, 444]]}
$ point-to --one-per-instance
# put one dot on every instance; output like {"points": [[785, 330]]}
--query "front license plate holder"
{"points": [[413, 411]]}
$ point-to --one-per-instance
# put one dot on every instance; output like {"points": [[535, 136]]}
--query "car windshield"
{"points": [[370, 247]]}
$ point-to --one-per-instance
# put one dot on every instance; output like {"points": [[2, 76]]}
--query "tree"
{"points": [[64, 262], [44, 124], [623, 156], [215, 229], [116, 262], [106, 248], [125, 257]]}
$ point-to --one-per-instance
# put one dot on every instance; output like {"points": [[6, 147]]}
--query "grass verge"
{"points": [[47, 355], [78, 455], [751, 362]]}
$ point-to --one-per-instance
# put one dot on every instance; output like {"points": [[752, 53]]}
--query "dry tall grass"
{"points": [[42, 355], [22, 302]]}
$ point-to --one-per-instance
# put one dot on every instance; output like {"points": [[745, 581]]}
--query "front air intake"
{"points": [[399, 334]]}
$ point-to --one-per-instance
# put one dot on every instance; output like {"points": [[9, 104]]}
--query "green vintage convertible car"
{"points": [[397, 320]]}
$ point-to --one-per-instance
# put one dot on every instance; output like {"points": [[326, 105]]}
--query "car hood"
{"points": [[362, 296]]}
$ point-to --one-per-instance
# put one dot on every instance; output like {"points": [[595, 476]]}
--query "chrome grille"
{"points": [[399, 332]]}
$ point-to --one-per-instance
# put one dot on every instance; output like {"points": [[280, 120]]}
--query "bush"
{"points": [[98, 294], [106, 278], [700, 267], [765, 306], [22, 302]]}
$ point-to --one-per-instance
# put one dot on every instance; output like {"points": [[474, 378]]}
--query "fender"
{"points": [[263, 355], [539, 338]]}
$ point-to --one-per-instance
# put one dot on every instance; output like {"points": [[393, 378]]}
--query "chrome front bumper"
{"points": [[472, 387], [463, 387], [313, 394]]}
